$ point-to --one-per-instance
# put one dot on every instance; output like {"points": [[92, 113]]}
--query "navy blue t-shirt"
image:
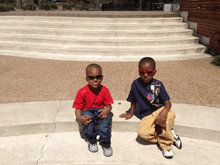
{"points": [[149, 96]]}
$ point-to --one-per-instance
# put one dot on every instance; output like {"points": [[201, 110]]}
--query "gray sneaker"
{"points": [[107, 151], [168, 153], [92, 147]]}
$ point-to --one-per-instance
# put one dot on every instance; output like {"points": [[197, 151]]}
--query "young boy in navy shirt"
{"points": [[149, 98], [93, 106]]}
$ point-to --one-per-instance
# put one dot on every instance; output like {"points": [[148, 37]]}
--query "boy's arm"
{"points": [[162, 117], [105, 111], [129, 115], [83, 119]]}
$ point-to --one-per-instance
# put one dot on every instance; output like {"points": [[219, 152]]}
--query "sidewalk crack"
{"points": [[48, 136]]}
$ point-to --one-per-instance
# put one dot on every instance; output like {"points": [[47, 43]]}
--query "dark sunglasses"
{"points": [[95, 77], [148, 72]]}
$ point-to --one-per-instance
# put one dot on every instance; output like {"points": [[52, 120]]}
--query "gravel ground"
{"points": [[26, 79]]}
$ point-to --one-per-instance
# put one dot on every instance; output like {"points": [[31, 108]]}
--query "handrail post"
{"points": [[18, 4]]}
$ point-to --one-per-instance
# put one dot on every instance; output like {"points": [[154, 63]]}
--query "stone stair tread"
{"points": [[3, 23], [88, 57], [110, 39], [88, 19], [106, 48], [92, 31]]}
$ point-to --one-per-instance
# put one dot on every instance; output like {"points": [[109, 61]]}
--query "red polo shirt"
{"points": [[86, 99]]}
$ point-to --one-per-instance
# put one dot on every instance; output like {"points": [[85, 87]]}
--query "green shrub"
{"points": [[44, 7], [86, 8], [10, 8], [28, 7], [53, 6], [10, 1], [81, 8], [12, 4], [3, 8], [216, 60], [68, 6], [77, 7]]}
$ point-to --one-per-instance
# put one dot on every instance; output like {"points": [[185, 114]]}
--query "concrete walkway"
{"points": [[47, 133]]}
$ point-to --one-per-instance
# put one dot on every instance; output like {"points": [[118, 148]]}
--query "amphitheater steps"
{"points": [[101, 39]]}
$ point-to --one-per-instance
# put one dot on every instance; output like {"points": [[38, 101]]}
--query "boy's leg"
{"points": [[165, 139], [150, 131], [104, 130], [147, 128], [89, 130]]}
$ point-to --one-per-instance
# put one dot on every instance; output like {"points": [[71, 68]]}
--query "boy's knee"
{"points": [[171, 115], [146, 135]]}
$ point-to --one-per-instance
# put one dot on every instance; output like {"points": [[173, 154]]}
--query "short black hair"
{"points": [[93, 65], [147, 60]]}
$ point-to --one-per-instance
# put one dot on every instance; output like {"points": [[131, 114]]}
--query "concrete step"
{"points": [[97, 38], [113, 57], [95, 26], [58, 116], [103, 50], [85, 20], [71, 40], [97, 33]]}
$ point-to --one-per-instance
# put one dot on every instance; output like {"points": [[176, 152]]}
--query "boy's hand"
{"points": [[86, 119], [103, 113], [161, 118], [126, 116]]}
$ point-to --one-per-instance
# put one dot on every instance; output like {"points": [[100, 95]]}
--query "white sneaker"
{"points": [[168, 153], [107, 151], [176, 141], [92, 147]]}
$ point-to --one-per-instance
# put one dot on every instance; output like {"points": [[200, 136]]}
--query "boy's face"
{"points": [[146, 72], [94, 77]]}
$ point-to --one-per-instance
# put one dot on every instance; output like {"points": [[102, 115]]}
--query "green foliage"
{"points": [[86, 8], [77, 7], [81, 8], [68, 6], [216, 60], [28, 6], [10, 8], [53, 6], [3, 8], [44, 7], [10, 1], [12, 4]]}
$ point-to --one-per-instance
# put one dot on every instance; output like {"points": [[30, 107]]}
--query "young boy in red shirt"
{"points": [[93, 106]]}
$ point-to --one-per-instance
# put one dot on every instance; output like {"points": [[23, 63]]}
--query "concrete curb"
{"points": [[58, 116]]}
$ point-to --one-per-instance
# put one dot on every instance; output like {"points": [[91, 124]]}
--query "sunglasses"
{"points": [[95, 77], [148, 72]]}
